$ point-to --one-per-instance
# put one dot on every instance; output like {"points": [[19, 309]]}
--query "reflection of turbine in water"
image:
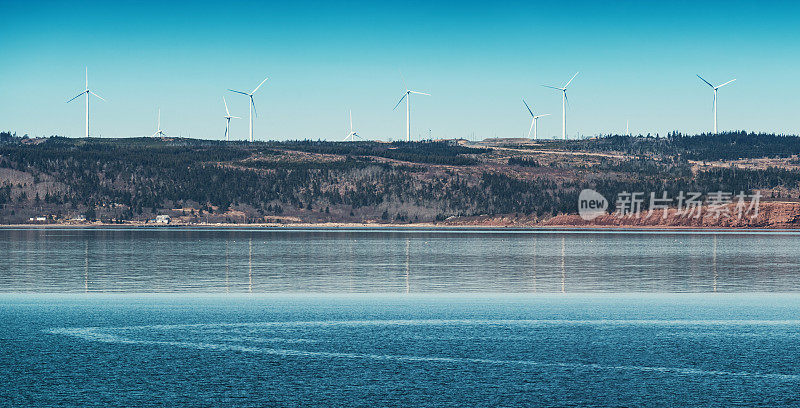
{"points": [[563, 269], [534, 264], [227, 268], [351, 263], [714, 262], [86, 269], [250, 267], [408, 265]]}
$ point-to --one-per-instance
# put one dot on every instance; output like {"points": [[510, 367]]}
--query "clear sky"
{"points": [[637, 62]]}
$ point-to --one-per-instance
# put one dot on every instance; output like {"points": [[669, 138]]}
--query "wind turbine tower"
{"points": [[715, 97], [159, 132], [252, 104], [534, 119], [352, 135], [86, 92], [228, 118], [564, 101]]}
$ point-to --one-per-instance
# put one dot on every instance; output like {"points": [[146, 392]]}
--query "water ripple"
{"points": [[124, 335]]}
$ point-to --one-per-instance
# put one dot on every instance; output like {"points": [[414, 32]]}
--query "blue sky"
{"points": [[637, 59]]}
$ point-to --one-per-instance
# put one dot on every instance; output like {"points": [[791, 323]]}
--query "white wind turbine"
{"points": [[159, 132], [715, 97], [86, 92], [534, 118], [228, 118], [352, 135], [252, 104], [563, 90], [407, 97]]}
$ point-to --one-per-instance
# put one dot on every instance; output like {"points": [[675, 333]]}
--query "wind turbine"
{"points": [[228, 118], [252, 104], [715, 97], [534, 118], [159, 132], [407, 97], [352, 135], [563, 90], [86, 92]]}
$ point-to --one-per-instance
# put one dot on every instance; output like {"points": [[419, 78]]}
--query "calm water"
{"points": [[451, 318], [192, 260]]}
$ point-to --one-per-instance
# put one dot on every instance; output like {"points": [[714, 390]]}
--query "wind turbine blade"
{"points": [[707, 83], [531, 129], [243, 93], [101, 98], [570, 80], [226, 106], [254, 106], [234, 117], [420, 93], [76, 96], [726, 83], [259, 85], [351, 121], [154, 134], [398, 102], [529, 110], [553, 87], [541, 116]]}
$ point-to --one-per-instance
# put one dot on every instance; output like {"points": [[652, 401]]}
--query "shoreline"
{"points": [[379, 226]]}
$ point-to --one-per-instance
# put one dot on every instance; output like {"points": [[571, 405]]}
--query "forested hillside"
{"points": [[306, 181], [723, 146]]}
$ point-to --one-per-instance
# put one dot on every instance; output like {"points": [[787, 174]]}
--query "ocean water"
{"points": [[396, 261], [395, 350], [154, 318]]}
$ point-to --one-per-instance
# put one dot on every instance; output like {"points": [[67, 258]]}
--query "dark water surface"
{"points": [[451, 318], [704, 350]]}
